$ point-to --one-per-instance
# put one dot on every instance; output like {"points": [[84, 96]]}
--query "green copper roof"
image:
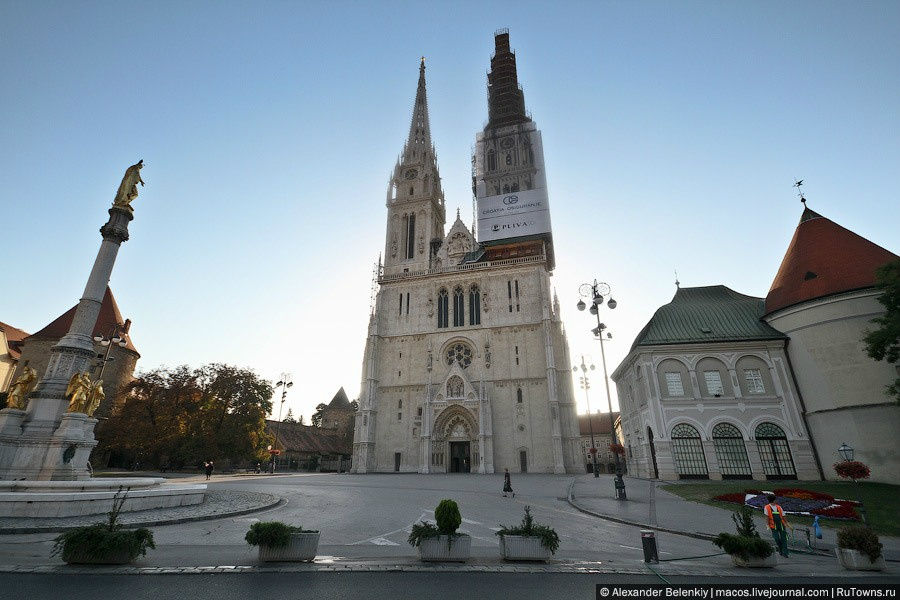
{"points": [[713, 313]]}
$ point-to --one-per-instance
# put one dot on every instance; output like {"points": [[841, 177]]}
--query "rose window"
{"points": [[460, 353]]}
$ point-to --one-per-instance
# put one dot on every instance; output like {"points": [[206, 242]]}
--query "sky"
{"points": [[673, 132]]}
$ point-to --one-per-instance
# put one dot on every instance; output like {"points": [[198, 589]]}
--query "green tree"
{"points": [[183, 417], [317, 416], [884, 342]]}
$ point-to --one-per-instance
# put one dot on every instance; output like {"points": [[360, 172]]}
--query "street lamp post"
{"points": [[596, 291], [116, 338], [846, 452], [585, 385], [284, 384]]}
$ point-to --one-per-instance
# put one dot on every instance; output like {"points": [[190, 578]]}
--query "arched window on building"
{"points": [[443, 308], [687, 450], [459, 307], [774, 452], [518, 395], [474, 306], [491, 160], [411, 236], [731, 453]]}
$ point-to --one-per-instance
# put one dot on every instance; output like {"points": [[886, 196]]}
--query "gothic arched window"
{"points": [[459, 308], [411, 236], [492, 160], [474, 306], [443, 308]]}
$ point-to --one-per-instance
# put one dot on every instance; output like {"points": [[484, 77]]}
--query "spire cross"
{"points": [[677, 283], [797, 185]]}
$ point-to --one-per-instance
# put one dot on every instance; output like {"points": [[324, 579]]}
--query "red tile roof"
{"points": [[14, 337], [108, 318], [599, 422], [824, 258]]}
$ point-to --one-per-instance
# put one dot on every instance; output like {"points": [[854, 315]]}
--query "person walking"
{"points": [[777, 524], [208, 467], [507, 485]]}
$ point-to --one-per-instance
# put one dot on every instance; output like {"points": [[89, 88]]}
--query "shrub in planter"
{"points": [[545, 535], [428, 537], [862, 540], [104, 543], [746, 548], [279, 541]]}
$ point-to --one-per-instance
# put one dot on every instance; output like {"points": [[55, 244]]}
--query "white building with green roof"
{"points": [[707, 392]]}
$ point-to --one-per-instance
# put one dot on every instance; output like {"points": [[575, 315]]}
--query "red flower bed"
{"points": [[840, 510], [736, 497], [852, 469], [802, 494]]}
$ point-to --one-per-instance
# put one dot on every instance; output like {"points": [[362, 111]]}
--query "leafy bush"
{"points": [[743, 522], [448, 517], [743, 546], [102, 542], [273, 534], [860, 538], [529, 528], [422, 531], [852, 469]]}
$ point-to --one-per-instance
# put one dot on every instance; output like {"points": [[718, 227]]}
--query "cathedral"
{"points": [[466, 364]]}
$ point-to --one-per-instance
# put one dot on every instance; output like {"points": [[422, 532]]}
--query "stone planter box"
{"points": [[520, 547], [302, 548], [436, 548], [854, 560], [755, 562], [82, 558]]}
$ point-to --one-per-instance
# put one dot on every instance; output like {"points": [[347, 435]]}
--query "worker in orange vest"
{"points": [[777, 524]]}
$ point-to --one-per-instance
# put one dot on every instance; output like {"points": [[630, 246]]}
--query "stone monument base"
{"points": [[93, 496]]}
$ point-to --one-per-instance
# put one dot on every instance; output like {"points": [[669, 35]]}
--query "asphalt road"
{"points": [[331, 586]]}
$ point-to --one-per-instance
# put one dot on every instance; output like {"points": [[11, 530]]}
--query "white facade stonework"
{"points": [[466, 364], [650, 413]]}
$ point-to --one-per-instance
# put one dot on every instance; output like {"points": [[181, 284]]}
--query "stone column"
{"points": [[54, 444]]}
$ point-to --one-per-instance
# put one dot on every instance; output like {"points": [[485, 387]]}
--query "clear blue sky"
{"points": [[672, 133]]}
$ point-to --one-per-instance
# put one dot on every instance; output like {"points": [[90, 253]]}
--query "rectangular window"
{"points": [[419, 412], [407, 302], [517, 355], [401, 304], [673, 383], [714, 383], [400, 416], [754, 381], [509, 293], [517, 295]]}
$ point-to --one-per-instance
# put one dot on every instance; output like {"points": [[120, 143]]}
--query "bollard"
{"points": [[648, 541]]}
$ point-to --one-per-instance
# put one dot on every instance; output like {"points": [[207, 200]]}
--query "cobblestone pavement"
{"points": [[219, 503]]}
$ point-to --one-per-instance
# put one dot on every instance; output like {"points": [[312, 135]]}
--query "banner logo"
{"points": [[510, 200]]}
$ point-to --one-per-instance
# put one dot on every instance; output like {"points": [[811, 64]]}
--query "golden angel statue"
{"points": [[21, 387], [128, 188], [84, 395]]}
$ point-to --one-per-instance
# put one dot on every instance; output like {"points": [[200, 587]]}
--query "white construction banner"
{"points": [[513, 215]]}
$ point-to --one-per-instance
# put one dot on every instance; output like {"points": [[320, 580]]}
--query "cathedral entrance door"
{"points": [[460, 461]]}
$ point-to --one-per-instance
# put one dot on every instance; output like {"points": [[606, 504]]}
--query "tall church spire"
{"points": [[418, 144], [506, 101]]}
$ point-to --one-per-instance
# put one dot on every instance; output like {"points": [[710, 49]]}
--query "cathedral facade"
{"points": [[466, 364]]}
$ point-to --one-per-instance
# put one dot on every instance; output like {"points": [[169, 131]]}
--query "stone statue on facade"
{"points": [[84, 395], [128, 188], [21, 387]]}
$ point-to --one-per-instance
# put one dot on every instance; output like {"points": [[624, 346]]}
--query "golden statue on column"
{"points": [[128, 188], [21, 387]]}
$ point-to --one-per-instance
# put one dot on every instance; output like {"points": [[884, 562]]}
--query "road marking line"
{"points": [[380, 541], [632, 547]]}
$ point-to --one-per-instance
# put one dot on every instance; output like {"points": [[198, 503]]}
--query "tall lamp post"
{"points": [[846, 452], [585, 385], [596, 291], [116, 338], [284, 384]]}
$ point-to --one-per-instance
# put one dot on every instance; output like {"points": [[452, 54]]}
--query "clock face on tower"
{"points": [[411, 174]]}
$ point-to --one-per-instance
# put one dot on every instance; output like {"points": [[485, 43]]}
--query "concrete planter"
{"points": [[854, 560], [110, 558], [520, 547], [438, 549], [302, 548], [755, 562]]}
